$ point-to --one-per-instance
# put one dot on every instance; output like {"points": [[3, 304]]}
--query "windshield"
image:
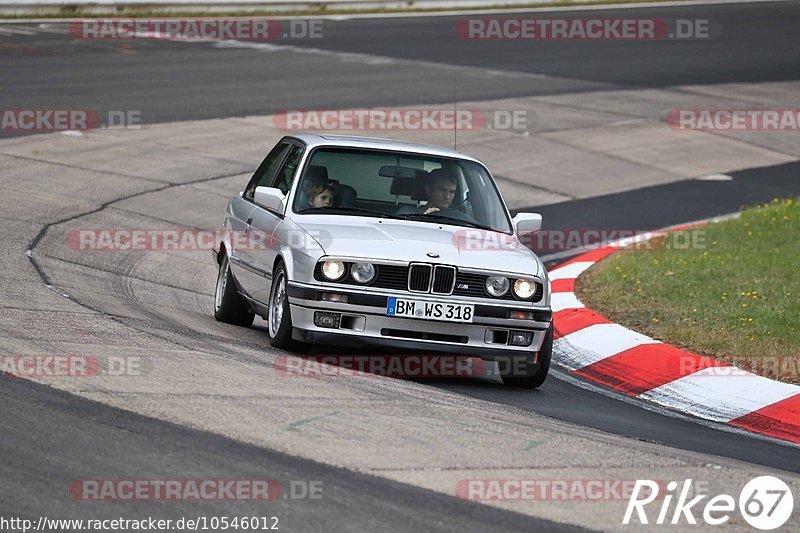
{"points": [[347, 181]]}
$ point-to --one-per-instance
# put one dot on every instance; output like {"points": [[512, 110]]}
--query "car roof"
{"points": [[354, 141]]}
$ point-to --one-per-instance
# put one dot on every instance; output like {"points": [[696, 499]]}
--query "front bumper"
{"points": [[365, 323]]}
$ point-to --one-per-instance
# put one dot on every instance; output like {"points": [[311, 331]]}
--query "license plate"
{"points": [[430, 310]]}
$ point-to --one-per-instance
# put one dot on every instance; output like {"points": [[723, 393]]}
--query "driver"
{"points": [[440, 190]]}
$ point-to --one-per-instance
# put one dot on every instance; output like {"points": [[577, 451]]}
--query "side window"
{"points": [[266, 170], [285, 176]]}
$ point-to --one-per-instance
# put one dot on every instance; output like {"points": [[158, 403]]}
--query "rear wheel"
{"points": [[279, 321], [532, 376], [229, 306]]}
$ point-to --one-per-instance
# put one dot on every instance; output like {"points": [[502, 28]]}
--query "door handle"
{"points": [[247, 227]]}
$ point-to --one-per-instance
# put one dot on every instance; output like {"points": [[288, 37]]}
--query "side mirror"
{"points": [[527, 222], [269, 198]]}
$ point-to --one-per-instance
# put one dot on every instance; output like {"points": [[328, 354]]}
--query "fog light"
{"points": [[333, 297], [521, 338], [521, 315], [327, 320]]}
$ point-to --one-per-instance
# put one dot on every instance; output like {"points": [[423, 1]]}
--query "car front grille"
{"points": [[419, 277], [469, 284], [444, 279], [391, 277], [436, 279]]}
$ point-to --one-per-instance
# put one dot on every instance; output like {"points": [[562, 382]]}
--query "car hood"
{"points": [[389, 239]]}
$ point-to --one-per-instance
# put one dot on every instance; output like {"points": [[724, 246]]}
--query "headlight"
{"points": [[524, 288], [362, 272], [333, 270], [496, 285]]}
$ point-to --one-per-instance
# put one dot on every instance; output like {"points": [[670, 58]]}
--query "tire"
{"points": [[533, 376], [279, 321], [229, 306]]}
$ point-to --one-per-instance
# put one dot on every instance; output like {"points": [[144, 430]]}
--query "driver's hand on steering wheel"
{"points": [[430, 210]]}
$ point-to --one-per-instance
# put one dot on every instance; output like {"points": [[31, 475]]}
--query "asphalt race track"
{"points": [[88, 432], [187, 81], [209, 404]]}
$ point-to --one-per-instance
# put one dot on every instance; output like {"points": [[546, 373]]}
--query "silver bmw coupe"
{"points": [[370, 242]]}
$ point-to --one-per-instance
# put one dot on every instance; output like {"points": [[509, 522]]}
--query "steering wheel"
{"points": [[459, 206]]}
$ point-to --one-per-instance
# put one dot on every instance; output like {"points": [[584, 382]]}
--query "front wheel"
{"points": [[279, 322], [532, 376], [229, 306]]}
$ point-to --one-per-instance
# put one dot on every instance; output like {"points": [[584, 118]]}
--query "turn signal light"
{"points": [[334, 297]]}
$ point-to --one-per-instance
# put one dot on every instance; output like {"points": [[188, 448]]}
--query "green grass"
{"points": [[734, 295], [141, 11]]}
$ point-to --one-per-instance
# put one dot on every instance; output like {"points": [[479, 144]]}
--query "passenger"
{"points": [[320, 195]]}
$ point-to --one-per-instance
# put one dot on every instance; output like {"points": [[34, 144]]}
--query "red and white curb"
{"points": [[595, 348]]}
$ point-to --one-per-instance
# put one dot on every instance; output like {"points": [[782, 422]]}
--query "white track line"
{"points": [[720, 395], [595, 343]]}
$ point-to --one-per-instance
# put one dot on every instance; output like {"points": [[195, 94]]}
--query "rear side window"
{"points": [[285, 176], [266, 171]]}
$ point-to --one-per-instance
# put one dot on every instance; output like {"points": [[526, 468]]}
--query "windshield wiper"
{"points": [[344, 210], [469, 223]]}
